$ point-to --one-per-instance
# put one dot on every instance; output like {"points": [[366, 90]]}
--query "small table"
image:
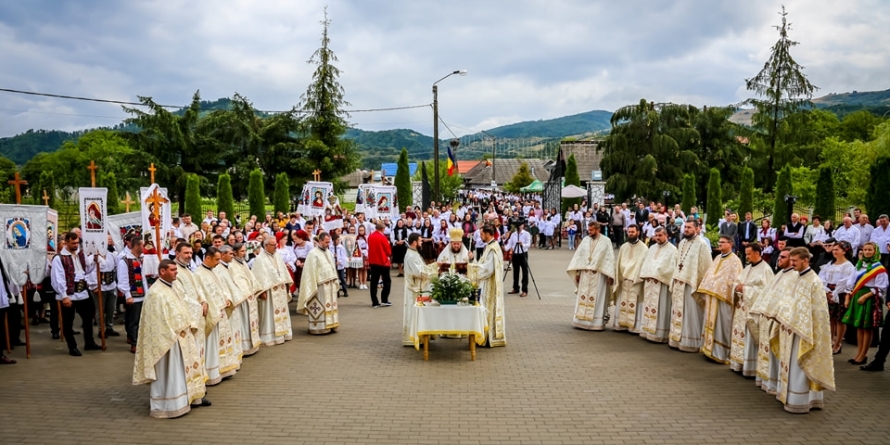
{"points": [[448, 320]]}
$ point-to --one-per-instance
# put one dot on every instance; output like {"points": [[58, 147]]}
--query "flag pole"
{"points": [[101, 322], [17, 183]]}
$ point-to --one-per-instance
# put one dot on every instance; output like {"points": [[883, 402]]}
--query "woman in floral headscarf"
{"points": [[865, 298], [835, 276]]}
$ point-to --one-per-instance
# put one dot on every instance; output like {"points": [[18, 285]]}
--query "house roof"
{"points": [[354, 179], [586, 156], [505, 169], [391, 168], [464, 166]]}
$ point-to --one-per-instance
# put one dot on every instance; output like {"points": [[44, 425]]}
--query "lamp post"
{"points": [[436, 131]]}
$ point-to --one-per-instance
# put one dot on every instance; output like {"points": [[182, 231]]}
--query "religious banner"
{"points": [[365, 201], [93, 210], [377, 201], [123, 223], [315, 198], [23, 249], [52, 231], [164, 220]]}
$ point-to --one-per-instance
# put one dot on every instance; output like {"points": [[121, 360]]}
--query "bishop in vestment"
{"points": [[749, 287], [318, 288], [491, 287], [455, 251], [656, 275], [693, 260], [274, 280], [167, 354], [250, 318], [761, 321], [593, 271], [717, 287], [219, 357], [803, 341], [629, 289], [417, 280]]}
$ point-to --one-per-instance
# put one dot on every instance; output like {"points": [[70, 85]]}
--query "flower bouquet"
{"points": [[450, 288]]}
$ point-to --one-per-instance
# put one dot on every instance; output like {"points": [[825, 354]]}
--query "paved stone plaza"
{"points": [[552, 384]]}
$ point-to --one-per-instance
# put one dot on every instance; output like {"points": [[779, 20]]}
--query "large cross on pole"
{"points": [[17, 183], [128, 202], [92, 168], [152, 170], [45, 198], [158, 200], [316, 175]]}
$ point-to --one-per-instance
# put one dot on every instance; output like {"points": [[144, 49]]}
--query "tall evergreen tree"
{"points": [[193, 195], [225, 201], [256, 196], [715, 199], [688, 193], [781, 215], [323, 103], [403, 182], [825, 194], [783, 89], [746, 192], [522, 178], [281, 194], [109, 181], [572, 178], [877, 199]]}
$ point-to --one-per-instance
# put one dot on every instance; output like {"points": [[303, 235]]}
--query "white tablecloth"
{"points": [[448, 320]]}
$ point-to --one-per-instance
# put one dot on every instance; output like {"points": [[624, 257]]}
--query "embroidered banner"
{"points": [[93, 210], [316, 197], [377, 201], [121, 224], [23, 249], [52, 231], [149, 221]]}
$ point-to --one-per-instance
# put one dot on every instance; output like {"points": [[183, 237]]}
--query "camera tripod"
{"points": [[530, 275]]}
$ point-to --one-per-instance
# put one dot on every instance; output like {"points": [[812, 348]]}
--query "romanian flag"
{"points": [[452, 163]]}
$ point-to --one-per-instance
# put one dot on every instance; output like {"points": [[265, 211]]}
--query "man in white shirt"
{"points": [[209, 219], [133, 285], [865, 229], [849, 234], [69, 270], [881, 236], [519, 243], [107, 265]]}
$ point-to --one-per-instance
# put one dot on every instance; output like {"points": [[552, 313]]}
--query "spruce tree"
{"points": [[403, 182], [193, 195], [281, 194], [825, 194], [256, 196], [746, 193], [225, 201], [572, 178], [877, 199], [783, 188], [715, 199], [688, 193], [522, 178], [114, 200]]}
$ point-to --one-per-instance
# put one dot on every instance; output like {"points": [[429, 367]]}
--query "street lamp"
{"points": [[436, 131]]}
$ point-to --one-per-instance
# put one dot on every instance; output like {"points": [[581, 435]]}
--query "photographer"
{"points": [[518, 244]]}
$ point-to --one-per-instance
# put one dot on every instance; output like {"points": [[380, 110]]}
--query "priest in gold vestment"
{"points": [[273, 280], [167, 354], [593, 271], [318, 288], [193, 295], [656, 275], [237, 297], [629, 288], [803, 342], [219, 356], [417, 280], [250, 318], [717, 289], [748, 288], [487, 272], [693, 260], [761, 321]]}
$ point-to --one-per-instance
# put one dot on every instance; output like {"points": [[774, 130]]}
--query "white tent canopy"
{"points": [[573, 191]]}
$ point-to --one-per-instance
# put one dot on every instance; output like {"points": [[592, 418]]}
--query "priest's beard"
{"points": [[453, 250], [685, 236], [633, 239]]}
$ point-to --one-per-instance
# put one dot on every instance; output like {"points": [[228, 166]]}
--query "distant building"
{"points": [[390, 169], [587, 157], [504, 169]]}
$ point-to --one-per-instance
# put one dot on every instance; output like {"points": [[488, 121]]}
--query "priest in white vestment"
{"points": [[167, 354], [455, 252], [803, 341], [318, 288], [250, 318], [687, 314], [748, 288], [593, 271], [762, 323], [487, 272], [219, 357], [198, 305], [717, 289], [274, 280], [237, 297], [417, 280], [656, 274], [629, 288]]}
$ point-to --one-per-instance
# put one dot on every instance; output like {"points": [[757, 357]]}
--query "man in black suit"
{"points": [[641, 216], [747, 234]]}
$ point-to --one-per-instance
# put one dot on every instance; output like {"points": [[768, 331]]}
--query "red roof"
{"points": [[465, 166]]}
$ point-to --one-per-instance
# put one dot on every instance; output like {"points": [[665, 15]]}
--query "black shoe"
{"points": [[202, 402], [74, 352], [56, 336], [873, 366], [92, 347], [386, 304], [112, 333]]}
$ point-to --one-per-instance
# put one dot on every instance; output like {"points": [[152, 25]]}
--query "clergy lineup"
{"points": [[774, 328]]}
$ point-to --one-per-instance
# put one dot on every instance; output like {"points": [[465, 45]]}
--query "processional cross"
{"points": [[316, 175], [17, 183], [128, 202], [157, 200], [45, 198], [92, 168], [152, 170]]}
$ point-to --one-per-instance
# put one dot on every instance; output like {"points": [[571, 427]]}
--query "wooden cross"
{"points": [[152, 170], [17, 183], [127, 202], [158, 201], [45, 198], [92, 168], [316, 175]]}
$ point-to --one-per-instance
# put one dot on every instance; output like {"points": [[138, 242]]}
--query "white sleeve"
{"points": [[57, 278]]}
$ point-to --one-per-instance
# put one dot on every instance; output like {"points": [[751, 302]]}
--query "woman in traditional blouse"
{"points": [[835, 276], [469, 229], [427, 243], [359, 257], [400, 245], [866, 298], [766, 231]]}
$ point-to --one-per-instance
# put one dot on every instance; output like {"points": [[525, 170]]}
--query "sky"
{"points": [[525, 59]]}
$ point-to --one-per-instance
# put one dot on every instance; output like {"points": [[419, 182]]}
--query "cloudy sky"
{"points": [[526, 59]]}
